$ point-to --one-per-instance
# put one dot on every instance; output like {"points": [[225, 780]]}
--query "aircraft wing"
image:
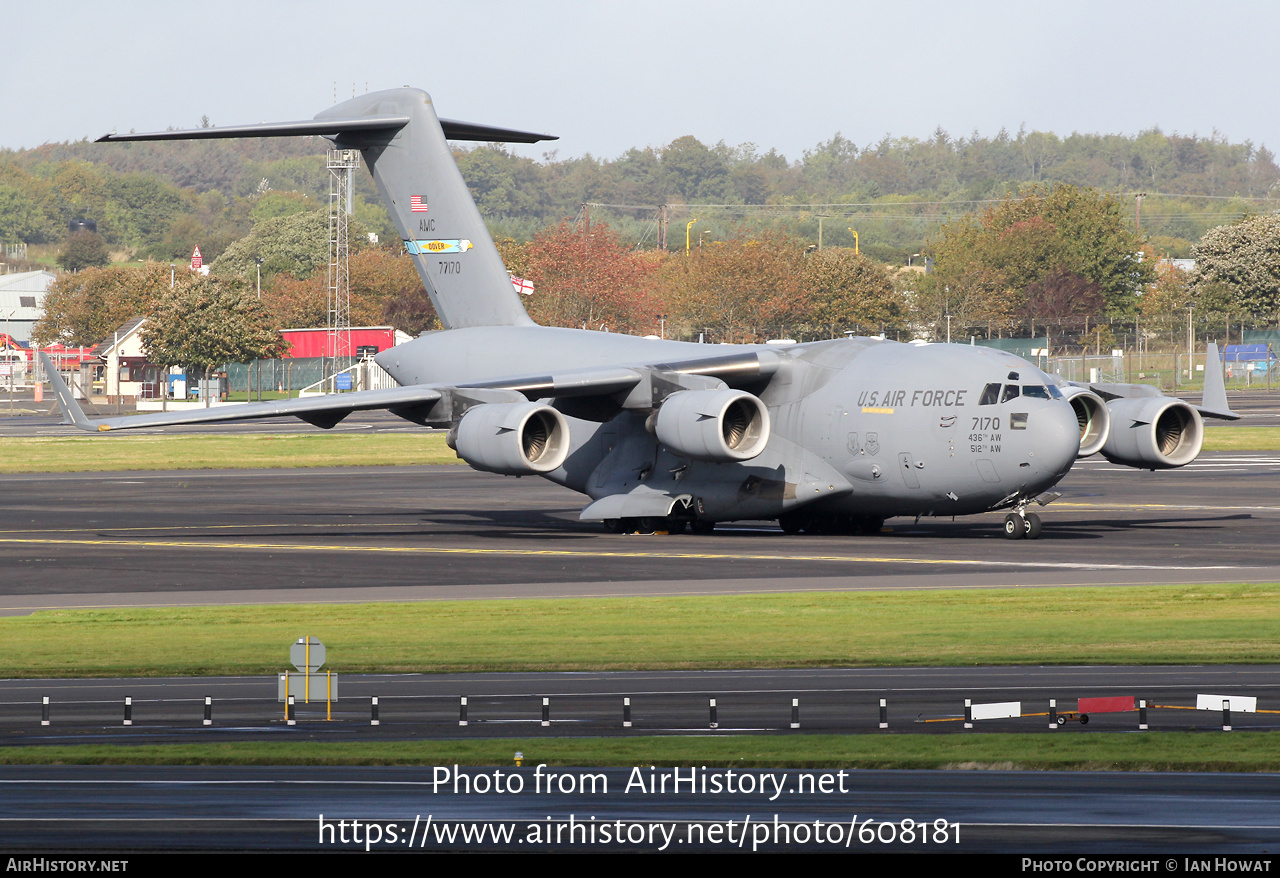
{"points": [[416, 402], [1213, 404], [322, 411], [633, 387]]}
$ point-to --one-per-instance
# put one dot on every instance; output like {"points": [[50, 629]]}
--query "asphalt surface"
{"points": [[116, 811], [826, 700], [448, 532], [212, 537]]}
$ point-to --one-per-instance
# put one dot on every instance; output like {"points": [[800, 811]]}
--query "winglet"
{"points": [[1214, 402], [71, 411]]}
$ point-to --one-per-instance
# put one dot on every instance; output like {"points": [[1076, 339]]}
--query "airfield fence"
{"points": [[514, 715]]}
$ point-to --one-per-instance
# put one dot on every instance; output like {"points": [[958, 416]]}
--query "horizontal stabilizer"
{"points": [[331, 128]]}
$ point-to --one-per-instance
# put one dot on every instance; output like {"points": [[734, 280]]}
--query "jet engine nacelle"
{"points": [[713, 425], [1155, 433], [513, 438], [1093, 417]]}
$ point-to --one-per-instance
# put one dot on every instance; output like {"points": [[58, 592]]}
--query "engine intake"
{"points": [[713, 425], [1093, 417], [1153, 433], [513, 439]]}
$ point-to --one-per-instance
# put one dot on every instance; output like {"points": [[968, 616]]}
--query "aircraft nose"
{"points": [[1057, 436]]}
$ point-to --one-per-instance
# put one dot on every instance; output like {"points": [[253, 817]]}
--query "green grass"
{"points": [[1060, 751], [1171, 624], [119, 451], [116, 451], [1242, 439]]}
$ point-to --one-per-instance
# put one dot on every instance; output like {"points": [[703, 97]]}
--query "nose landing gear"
{"points": [[1022, 525]]}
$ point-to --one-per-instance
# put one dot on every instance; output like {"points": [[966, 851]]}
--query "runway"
{"points": [[413, 707], [117, 811], [448, 532]]}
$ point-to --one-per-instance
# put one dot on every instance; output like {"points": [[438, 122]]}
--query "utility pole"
{"points": [[1191, 347]]}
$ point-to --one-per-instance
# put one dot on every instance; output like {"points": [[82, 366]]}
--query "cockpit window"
{"points": [[1010, 392], [1054, 392], [990, 395], [1036, 391]]}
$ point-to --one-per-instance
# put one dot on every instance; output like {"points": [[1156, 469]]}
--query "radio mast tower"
{"points": [[342, 164]]}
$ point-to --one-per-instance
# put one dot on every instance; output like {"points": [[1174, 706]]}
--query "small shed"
{"points": [[119, 369]]}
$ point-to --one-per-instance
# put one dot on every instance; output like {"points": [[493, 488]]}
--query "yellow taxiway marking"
{"points": [[578, 553], [335, 525]]}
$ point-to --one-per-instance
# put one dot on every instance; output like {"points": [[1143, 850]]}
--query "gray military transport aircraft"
{"points": [[826, 437]]}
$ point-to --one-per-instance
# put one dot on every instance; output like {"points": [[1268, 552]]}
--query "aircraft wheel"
{"points": [[1015, 528], [791, 522], [1062, 720], [1033, 526], [818, 525], [613, 525], [702, 528], [677, 525], [870, 526], [647, 525]]}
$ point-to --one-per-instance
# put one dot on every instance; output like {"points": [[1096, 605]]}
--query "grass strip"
{"points": [[114, 452], [1062, 751], [1170, 624], [1242, 439]]}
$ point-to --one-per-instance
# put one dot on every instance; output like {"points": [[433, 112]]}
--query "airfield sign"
{"points": [[307, 654]]}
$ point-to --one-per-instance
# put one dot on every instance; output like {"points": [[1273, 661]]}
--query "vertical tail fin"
{"points": [[406, 148], [1214, 402], [433, 210]]}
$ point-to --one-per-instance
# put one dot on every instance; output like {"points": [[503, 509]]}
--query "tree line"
{"points": [[157, 201], [1057, 256]]}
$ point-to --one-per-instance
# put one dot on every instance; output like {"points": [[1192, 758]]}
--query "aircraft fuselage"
{"points": [[860, 427]]}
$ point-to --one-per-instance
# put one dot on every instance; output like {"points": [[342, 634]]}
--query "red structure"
{"points": [[365, 340]]}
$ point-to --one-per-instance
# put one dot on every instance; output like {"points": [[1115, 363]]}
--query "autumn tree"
{"points": [[385, 289], [585, 277], [205, 322], [84, 249], [1168, 297], [739, 289], [83, 309], [1241, 260], [298, 244], [1050, 252], [845, 290], [971, 294]]}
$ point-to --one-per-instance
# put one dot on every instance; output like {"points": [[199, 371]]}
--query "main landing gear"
{"points": [[657, 525], [829, 523], [1022, 525]]}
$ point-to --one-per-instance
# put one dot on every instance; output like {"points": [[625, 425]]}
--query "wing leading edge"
{"points": [[1213, 404], [632, 387]]}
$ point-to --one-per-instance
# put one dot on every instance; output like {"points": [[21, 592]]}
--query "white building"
{"points": [[22, 301]]}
